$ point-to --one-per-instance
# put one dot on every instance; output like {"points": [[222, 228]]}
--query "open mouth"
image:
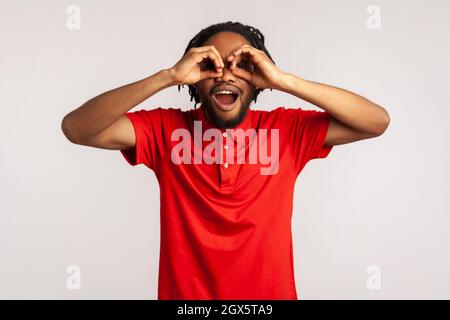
{"points": [[225, 99]]}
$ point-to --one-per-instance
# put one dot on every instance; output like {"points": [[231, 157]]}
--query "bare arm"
{"points": [[100, 122], [354, 117]]}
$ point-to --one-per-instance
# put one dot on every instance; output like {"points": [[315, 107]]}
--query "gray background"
{"points": [[377, 202]]}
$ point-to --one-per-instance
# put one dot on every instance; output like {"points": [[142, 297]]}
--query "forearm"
{"points": [[102, 111], [349, 108]]}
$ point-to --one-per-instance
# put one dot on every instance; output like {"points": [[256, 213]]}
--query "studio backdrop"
{"points": [[371, 221]]}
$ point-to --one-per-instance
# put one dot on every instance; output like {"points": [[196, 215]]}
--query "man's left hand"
{"points": [[254, 66]]}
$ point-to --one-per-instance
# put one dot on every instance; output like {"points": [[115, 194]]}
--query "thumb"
{"points": [[210, 74], [242, 74]]}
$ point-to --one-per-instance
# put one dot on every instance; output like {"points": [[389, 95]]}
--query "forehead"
{"points": [[226, 42]]}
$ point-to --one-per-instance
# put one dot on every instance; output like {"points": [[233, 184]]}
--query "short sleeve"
{"points": [[147, 128], [307, 136]]}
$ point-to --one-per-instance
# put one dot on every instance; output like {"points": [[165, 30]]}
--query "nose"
{"points": [[227, 75]]}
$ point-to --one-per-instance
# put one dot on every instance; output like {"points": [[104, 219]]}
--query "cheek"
{"points": [[203, 89], [249, 93]]}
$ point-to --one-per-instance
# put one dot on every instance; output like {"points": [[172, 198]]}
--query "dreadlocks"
{"points": [[253, 35]]}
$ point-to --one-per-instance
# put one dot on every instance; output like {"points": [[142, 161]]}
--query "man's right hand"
{"points": [[101, 122], [198, 64]]}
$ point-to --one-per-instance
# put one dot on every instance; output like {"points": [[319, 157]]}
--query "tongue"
{"points": [[225, 98]]}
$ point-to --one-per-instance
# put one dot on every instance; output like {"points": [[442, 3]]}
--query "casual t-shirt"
{"points": [[226, 225]]}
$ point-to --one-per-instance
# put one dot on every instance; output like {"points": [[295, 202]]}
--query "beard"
{"points": [[220, 123]]}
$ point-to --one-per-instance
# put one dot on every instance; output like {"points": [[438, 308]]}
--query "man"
{"points": [[225, 224]]}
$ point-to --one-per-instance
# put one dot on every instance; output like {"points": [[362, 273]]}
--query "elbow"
{"points": [[382, 124], [385, 122], [69, 131]]}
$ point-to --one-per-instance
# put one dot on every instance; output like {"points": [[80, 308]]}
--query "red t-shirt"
{"points": [[226, 227]]}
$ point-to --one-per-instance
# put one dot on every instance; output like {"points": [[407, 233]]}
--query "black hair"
{"points": [[253, 36]]}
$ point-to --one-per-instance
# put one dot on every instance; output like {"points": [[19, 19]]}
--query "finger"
{"points": [[209, 54], [210, 74], [246, 50], [236, 56], [219, 62], [213, 48], [234, 59], [200, 51], [243, 74]]}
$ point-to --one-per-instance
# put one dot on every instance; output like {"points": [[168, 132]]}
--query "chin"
{"points": [[225, 119], [227, 115]]}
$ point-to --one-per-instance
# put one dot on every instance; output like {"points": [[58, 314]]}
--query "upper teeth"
{"points": [[224, 92]]}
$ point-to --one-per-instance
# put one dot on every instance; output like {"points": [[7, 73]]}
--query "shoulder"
{"points": [[289, 117], [290, 113], [158, 113], [158, 119], [279, 114]]}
